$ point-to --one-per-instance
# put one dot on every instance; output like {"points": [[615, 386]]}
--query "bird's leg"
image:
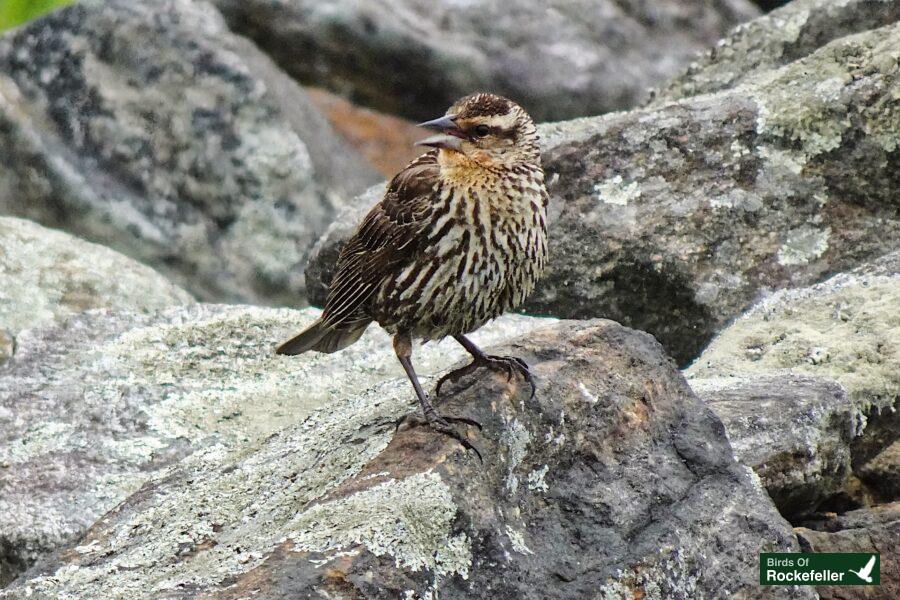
{"points": [[507, 364], [435, 420]]}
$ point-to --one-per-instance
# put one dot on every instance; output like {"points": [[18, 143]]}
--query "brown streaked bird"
{"points": [[459, 237]]}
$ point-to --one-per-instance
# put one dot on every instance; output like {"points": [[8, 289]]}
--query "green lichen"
{"points": [[409, 519], [803, 245], [516, 438], [813, 113], [233, 516], [616, 191], [226, 379]]}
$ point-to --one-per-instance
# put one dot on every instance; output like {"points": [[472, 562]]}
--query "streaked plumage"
{"points": [[459, 238]]}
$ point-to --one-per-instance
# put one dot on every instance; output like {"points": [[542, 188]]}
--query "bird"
{"points": [[866, 572], [458, 238]]}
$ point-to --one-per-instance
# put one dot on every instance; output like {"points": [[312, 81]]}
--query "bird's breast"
{"points": [[482, 252]]}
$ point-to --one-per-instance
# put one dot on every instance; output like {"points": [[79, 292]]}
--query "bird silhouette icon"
{"points": [[865, 572]]}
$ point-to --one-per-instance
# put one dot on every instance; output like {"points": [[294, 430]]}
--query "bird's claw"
{"points": [[508, 364], [444, 424]]}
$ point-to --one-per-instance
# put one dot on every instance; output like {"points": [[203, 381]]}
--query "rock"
{"points": [[794, 431], [846, 329], [776, 39], [387, 142], [148, 127], [46, 275], [675, 219], [882, 473], [93, 407], [415, 58], [614, 479], [874, 529]]}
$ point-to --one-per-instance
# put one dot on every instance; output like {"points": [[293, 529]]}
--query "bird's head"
{"points": [[487, 130]]}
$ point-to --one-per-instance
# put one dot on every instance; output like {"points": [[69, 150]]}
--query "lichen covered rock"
{"points": [[613, 480], [776, 39], [845, 330], [46, 275], [94, 406], [148, 127]]}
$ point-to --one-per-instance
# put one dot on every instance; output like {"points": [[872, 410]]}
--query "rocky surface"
{"points": [[795, 431], [776, 39], [613, 480], [415, 58], [675, 219], [148, 127], [845, 330], [866, 530], [92, 407], [386, 141], [882, 473], [46, 275]]}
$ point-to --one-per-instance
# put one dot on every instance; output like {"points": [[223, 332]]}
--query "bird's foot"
{"points": [[444, 424], [503, 364]]}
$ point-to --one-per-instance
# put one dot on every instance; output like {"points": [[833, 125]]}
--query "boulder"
{"points": [[794, 431], [882, 473], [150, 128], [674, 219], [614, 480], [845, 329], [47, 275], [415, 58], [793, 31], [94, 406], [874, 529]]}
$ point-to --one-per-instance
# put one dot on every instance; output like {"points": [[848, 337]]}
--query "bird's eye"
{"points": [[482, 130]]}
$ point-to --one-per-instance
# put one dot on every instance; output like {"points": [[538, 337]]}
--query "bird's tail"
{"points": [[320, 338]]}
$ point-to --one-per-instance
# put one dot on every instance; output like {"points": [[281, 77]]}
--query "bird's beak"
{"points": [[451, 136]]}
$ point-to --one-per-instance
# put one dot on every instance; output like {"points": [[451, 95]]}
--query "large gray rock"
{"points": [[675, 219], [93, 407], [150, 128], [47, 275], [846, 329], [776, 39], [613, 481], [795, 432], [560, 59], [867, 530]]}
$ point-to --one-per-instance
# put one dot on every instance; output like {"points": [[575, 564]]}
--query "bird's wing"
{"points": [[387, 237], [868, 568]]}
